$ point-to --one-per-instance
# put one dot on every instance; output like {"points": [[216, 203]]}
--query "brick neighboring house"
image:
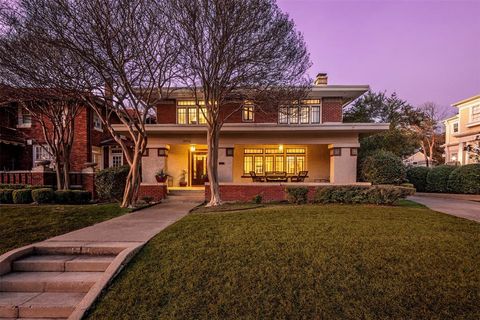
{"points": [[22, 143], [462, 131], [311, 137]]}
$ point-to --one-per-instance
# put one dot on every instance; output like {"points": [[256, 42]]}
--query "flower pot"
{"points": [[161, 179], [183, 183]]}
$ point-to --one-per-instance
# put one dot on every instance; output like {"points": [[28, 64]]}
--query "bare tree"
{"points": [[234, 50], [425, 123], [123, 54]]}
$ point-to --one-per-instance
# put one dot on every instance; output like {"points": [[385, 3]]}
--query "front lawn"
{"points": [[304, 262], [24, 224]]}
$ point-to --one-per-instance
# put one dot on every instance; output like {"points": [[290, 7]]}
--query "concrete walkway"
{"points": [[463, 208], [61, 277]]}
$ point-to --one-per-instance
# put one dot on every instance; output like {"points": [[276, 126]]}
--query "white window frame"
{"points": [[44, 153], [453, 127], [115, 152], [97, 123], [20, 122], [471, 114]]}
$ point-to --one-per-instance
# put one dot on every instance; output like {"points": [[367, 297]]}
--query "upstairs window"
{"points": [[247, 113], [455, 127], [97, 124], [475, 114], [315, 114], [303, 114], [24, 117], [189, 112]]}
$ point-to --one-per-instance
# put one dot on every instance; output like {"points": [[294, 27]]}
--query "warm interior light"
{"points": [[454, 158], [192, 148], [280, 147]]}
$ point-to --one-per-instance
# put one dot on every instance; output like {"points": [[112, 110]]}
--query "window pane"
{"points": [[259, 164], [304, 115], [202, 112], [476, 113], [300, 163], [247, 164], [192, 115], [247, 113], [279, 163], [293, 115], [273, 150], [269, 164], [291, 164], [295, 150], [283, 115], [252, 150], [182, 116], [315, 114]]}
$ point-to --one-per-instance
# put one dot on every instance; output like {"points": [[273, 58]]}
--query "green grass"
{"points": [[304, 262], [229, 206], [24, 224]]}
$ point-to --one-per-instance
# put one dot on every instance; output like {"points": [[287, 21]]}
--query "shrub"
{"points": [[64, 196], [465, 179], [437, 178], [13, 186], [110, 183], [297, 195], [418, 177], [43, 195], [22, 196], [258, 199], [383, 167], [6, 195], [81, 196], [382, 194]]}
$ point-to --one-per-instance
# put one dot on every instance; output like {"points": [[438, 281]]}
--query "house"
{"points": [[309, 137], [418, 160], [462, 131]]}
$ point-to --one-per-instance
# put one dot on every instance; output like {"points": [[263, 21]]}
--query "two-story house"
{"points": [[310, 137], [462, 131]]}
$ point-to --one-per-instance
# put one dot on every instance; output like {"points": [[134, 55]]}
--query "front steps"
{"points": [[50, 282]]}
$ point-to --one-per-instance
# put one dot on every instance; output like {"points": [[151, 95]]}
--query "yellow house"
{"points": [[462, 131]]}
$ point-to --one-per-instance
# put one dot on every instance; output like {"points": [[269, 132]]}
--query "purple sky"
{"points": [[423, 50]]}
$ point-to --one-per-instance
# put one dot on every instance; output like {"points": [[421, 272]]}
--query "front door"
{"points": [[199, 168]]}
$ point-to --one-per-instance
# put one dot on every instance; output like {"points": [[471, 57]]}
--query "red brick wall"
{"points": [[156, 191], [246, 192], [332, 109], [167, 112]]}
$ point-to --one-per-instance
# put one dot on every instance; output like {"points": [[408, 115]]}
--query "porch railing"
{"points": [[16, 177]]}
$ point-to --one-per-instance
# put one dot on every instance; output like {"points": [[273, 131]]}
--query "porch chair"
{"points": [[300, 178], [256, 178]]}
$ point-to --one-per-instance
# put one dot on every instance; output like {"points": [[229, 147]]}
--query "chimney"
{"points": [[321, 79]]}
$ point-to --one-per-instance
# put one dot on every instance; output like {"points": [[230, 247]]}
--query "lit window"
{"points": [[258, 164], [290, 164], [295, 150], [192, 116], [247, 113], [279, 163], [283, 115], [247, 164], [181, 115], [202, 113], [269, 164], [454, 157], [476, 113], [97, 124], [253, 150], [304, 115], [315, 114], [293, 115], [455, 127]]}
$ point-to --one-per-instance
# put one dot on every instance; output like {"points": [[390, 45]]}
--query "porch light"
{"points": [[454, 158], [280, 147], [192, 148]]}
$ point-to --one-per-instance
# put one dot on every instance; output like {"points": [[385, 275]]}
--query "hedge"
{"points": [[418, 177], [465, 179], [22, 196], [297, 195], [437, 178], [383, 167], [43, 195], [380, 194], [22, 186], [6, 195], [110, 183]]}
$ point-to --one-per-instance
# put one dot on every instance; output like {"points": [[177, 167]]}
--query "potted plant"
{"points": [[183, 178], [205, 177], [161, 176]]}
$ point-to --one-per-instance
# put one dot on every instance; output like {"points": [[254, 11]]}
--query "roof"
{"points": [[465, 101]]}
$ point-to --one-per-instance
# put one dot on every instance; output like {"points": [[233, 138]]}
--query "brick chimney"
{"points": [[321, 79]]}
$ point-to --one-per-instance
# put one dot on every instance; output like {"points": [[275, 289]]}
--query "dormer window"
{"points": [[247, 113]]}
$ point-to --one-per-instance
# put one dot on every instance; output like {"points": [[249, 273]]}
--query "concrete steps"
{"points": [[50, 283]]}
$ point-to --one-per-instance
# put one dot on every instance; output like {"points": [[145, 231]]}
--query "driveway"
{"points": [[463, 208]]}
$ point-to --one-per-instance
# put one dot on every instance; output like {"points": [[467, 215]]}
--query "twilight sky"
{"points": [[424, 50]]}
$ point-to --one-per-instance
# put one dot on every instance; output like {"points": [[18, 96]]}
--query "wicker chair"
{"points": [[256, 178], [300, 178]]}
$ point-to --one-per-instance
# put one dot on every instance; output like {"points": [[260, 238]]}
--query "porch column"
{"points": [[460, 155], [343, 163], [225, 163], [153, 161]]}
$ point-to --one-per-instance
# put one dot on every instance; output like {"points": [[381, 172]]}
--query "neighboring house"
{"points": [[22, 141], [418, 160], [462, 131], [310, 137]]}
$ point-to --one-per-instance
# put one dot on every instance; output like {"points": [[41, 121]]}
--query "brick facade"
{"points": [[332, 109], [157, 191]]}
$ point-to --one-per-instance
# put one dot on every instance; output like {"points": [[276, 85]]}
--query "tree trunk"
{"points": [[58, 173], [213, 137], [134, 178], [66, 175]]}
